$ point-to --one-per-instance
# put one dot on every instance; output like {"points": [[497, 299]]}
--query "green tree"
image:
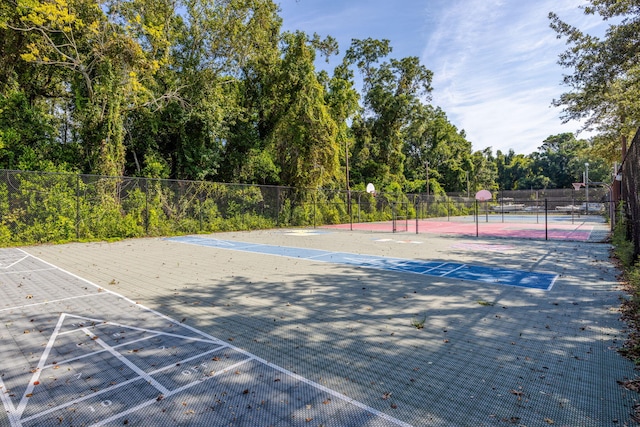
{"points": [[604, 79], [557, 159], [304, 137], [391, 91], [485, 171], [430, 137]]}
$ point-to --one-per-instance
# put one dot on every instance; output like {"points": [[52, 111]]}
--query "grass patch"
{"points": [[486, 303], [630, 280], [418, 322]]}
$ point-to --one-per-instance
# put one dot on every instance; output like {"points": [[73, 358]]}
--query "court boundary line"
{"points": [[249, 356], [377, 262]]}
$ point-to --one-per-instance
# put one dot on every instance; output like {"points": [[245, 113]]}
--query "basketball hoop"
{"points": [[577, 185], [371, 189], [483, 195]]}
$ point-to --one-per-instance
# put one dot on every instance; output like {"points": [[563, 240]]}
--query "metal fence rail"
{"points": [[39, 207]]}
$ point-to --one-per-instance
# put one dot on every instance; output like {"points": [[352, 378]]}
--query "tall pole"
{"points": [[346, 153], [426, 165], [467, 173]]}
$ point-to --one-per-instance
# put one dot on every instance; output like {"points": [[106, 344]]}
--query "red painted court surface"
{"points": [[555, 228]]}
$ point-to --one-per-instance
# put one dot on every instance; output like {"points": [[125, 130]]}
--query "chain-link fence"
{"points": [[38, 207], [629, 180]]}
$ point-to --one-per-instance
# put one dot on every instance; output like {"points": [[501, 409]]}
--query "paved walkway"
{"points": [[158, 332]]}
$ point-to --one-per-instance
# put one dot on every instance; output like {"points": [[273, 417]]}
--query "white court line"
{"points": [[325, 254], [188, 359], [127, 362], [47, 302], [2, 273], [78, 400], [152, 401], [455, 269], [433, 268], [14, 263], [113, 387], [93, 353], [14, 419], [250, 355], [99, 322], [36, 374]]}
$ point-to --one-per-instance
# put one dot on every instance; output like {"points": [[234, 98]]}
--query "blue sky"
{"points": [[494, 61]]}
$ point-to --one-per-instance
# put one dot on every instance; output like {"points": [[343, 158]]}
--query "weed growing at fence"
{"points": [[630, 307]]}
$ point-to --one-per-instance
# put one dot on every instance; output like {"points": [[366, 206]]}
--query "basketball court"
{"points": [[534, 226], [312, 328]]}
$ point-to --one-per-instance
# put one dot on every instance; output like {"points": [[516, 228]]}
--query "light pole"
{"points": [[586, 187]]}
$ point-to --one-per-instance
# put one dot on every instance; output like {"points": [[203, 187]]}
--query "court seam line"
{"points": [[265, 362]]}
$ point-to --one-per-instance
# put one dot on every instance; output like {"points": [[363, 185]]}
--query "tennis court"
{"points": [[312, 327]]}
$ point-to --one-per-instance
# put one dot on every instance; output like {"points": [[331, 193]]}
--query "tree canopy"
{"points": [[215, 90], [604, 76]]}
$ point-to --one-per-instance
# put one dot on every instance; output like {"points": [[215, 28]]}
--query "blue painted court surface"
{"points": [[450, 270]]}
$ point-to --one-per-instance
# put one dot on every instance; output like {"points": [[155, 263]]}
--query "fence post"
{"points": [[546, 223], [349, 210], [78, 206], [146, 206], [417, 205], [477, 219]]}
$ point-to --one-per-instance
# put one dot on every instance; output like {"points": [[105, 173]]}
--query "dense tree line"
{"points": [[215, 90]]}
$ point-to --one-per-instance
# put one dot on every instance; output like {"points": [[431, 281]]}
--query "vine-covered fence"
{"points": [[39, 207]]}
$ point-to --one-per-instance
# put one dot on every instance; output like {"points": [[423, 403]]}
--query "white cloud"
{"points": [[496, 73], [494, 61]]}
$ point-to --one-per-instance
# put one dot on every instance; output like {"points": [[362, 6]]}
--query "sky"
{"points": [[494, 61]]}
